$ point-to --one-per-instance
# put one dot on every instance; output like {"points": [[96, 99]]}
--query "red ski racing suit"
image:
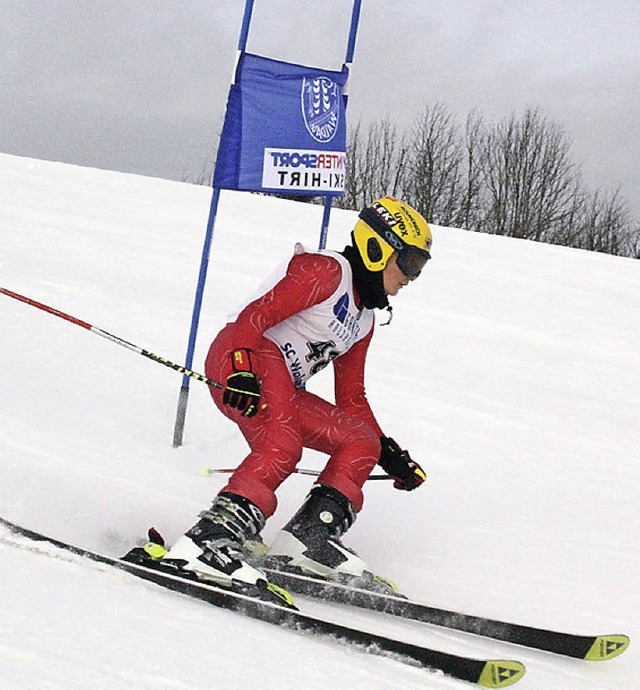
{"points": [[311, 316]]}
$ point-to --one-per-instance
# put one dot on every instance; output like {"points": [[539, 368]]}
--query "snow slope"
{"points": [[511, 372]]}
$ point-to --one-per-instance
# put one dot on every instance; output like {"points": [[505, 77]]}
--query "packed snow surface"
{"points": [[511, 372]]}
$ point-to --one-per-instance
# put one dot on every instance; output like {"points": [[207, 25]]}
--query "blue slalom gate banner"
{"points": [[284, 130]]}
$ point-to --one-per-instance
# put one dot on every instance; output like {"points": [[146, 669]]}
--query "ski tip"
{"points": [[607, 647], [500, 674]]}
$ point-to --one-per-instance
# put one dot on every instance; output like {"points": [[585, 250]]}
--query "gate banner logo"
{"points": [[321, 108]]}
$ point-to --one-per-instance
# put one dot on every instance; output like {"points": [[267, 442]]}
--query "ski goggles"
{"points": [[411, 259]]}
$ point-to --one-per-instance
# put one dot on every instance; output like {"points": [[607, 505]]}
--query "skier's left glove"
{"points": [[398, 464], [243, 386]]}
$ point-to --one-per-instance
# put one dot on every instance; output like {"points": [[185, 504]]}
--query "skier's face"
{"points": [[392, 277]]}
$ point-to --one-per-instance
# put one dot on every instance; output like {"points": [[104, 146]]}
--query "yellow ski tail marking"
{"points": [[607, 647], [281, 592], [500, 674], [387, 582]]}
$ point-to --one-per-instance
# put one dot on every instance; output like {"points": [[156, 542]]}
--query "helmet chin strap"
{"points": [[390, 310]]}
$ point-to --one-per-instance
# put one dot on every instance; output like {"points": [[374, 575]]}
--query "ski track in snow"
{"points": [[511, 372]]}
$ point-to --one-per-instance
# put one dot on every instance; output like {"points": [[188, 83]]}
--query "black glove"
{"points": [[398, 464], [243, 387]]}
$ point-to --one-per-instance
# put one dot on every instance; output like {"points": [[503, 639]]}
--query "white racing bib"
{"points": [[311, 339]]}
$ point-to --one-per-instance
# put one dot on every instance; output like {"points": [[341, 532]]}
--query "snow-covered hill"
{"points": [[511, 372]]}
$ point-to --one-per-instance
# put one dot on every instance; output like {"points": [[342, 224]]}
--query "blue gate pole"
{"points": [[324, 228], [183, 398], [351, 46], [353, 31]]}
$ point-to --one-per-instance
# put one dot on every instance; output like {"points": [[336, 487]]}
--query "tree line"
{"points": [[514, 178]]}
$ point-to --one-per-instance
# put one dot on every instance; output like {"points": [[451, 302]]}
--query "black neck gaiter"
{"points": [[368, 283]]}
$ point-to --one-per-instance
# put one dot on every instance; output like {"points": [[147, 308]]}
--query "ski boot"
{"points": [[212, 550], [309, 544]]}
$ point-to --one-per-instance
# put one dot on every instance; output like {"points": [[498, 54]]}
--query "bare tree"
{"points": [[633, 242], [376, 164], [528, 176], [568, 231], [469, 212], [606, 225], [435, 185]]}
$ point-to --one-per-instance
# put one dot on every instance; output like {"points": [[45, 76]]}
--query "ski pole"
{"points": [[112, 338], [313, 473]]}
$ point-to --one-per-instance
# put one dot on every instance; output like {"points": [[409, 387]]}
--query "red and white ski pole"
{"points": [[113, 338]]}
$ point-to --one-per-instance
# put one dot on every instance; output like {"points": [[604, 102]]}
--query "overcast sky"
{"points": [[141, 86]]}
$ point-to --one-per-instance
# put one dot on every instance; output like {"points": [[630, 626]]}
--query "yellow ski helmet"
{"points": [[388, 226]]}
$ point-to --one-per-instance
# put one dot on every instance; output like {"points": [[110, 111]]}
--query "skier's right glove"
{"points": [[243, 387], [398, 464]]}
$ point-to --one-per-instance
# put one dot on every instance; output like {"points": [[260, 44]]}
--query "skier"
{"points": [[319, 309]]}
